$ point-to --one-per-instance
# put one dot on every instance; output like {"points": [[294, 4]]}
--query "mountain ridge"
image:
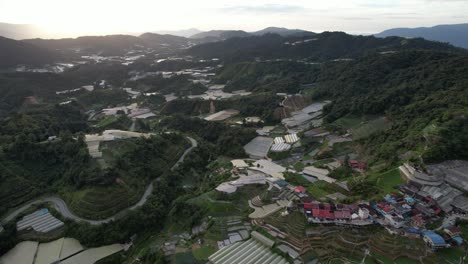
{"points": [[455, 34]]}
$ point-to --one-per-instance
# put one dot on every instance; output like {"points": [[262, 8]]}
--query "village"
{"points": [[299, 195]]}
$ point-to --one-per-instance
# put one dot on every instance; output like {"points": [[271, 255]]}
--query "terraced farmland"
{"points": [[330, 243], [102, 202], [16, 192], [361, 127]]}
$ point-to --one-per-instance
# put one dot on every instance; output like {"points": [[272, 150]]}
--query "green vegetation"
{"points": [[102, 202], [99, 98], [295, 179], [279, 155], [413, 90], [204, 252], [326, 46], [413, 100], [387, 181], [262, 105], [180, 85], [235, 204], [369, 128], [227, 139], [280, 76]]}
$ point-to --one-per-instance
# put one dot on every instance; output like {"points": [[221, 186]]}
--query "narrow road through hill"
{"points": [[62, 207]]}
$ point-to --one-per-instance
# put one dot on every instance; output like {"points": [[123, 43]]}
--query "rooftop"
{"points": [[435, 238], [40, 221]]}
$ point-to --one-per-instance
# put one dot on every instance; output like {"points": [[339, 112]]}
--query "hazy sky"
{"points": [[112, 16]]}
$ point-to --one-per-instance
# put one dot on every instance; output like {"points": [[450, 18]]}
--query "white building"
{"points": [[363, 213]]}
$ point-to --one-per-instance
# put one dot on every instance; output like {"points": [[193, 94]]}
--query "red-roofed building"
{"points": [[355, 164], [417, 221], [299, 189]]}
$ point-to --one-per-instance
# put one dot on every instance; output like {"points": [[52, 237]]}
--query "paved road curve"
{"points": [[62, 207]]}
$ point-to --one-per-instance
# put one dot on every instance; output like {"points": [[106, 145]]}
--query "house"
{"points": [[452, 231], [299, 189], [318, 173], [434, 240], [425, 209], [357, 165], [269, 168], [417, 221], [363, 213], [412, 233], [395, 221], [239, 163], [457, 240]]}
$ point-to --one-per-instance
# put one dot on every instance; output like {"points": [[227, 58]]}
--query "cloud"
{"points": [[357, 18], [264, 9]]}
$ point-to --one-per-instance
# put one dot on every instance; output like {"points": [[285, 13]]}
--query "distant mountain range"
{"points": [[181, 33], [456, 34], [19, 31], [217, 35], [237, 45]]}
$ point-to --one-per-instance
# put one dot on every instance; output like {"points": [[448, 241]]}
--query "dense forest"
{"points": [[415, 89], [320, 47], [277, 77]]}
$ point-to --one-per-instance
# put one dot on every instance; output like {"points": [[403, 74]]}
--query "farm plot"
{"points": [[102, 202]]}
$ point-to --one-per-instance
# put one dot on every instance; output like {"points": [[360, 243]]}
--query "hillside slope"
{"points": [[424, 93], [324, 46], [113, 44], [14, 52], [456, 35]]}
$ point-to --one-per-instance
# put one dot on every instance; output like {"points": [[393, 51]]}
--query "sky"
{"points": [[97, 17]]}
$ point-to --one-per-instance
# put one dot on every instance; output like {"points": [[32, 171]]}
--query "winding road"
{"points": [[62, 207]]}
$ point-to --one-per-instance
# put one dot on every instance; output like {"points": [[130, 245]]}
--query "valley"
{"points": [[275, 147]]}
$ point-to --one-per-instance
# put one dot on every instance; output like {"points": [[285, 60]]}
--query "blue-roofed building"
{"points": [[413, 230], [434, 240], [410, 200], [390, 199], [458, 240], [281, 183]]}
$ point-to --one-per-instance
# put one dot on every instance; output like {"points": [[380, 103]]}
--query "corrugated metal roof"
{"points": [[280, 147], [291, 138], [435, 238], [251, 251], [40, 221]]}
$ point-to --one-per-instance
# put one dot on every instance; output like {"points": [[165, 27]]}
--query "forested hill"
{"points": [[14, 52], [424, 93], [324, 46], [111, 45], [454, 34]]}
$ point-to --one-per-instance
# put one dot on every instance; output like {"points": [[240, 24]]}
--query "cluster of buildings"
{"points": [[282, 144], [450, 236], [341, 214], [406, 211], [302, 119], [132, 111], [442, 183]]}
